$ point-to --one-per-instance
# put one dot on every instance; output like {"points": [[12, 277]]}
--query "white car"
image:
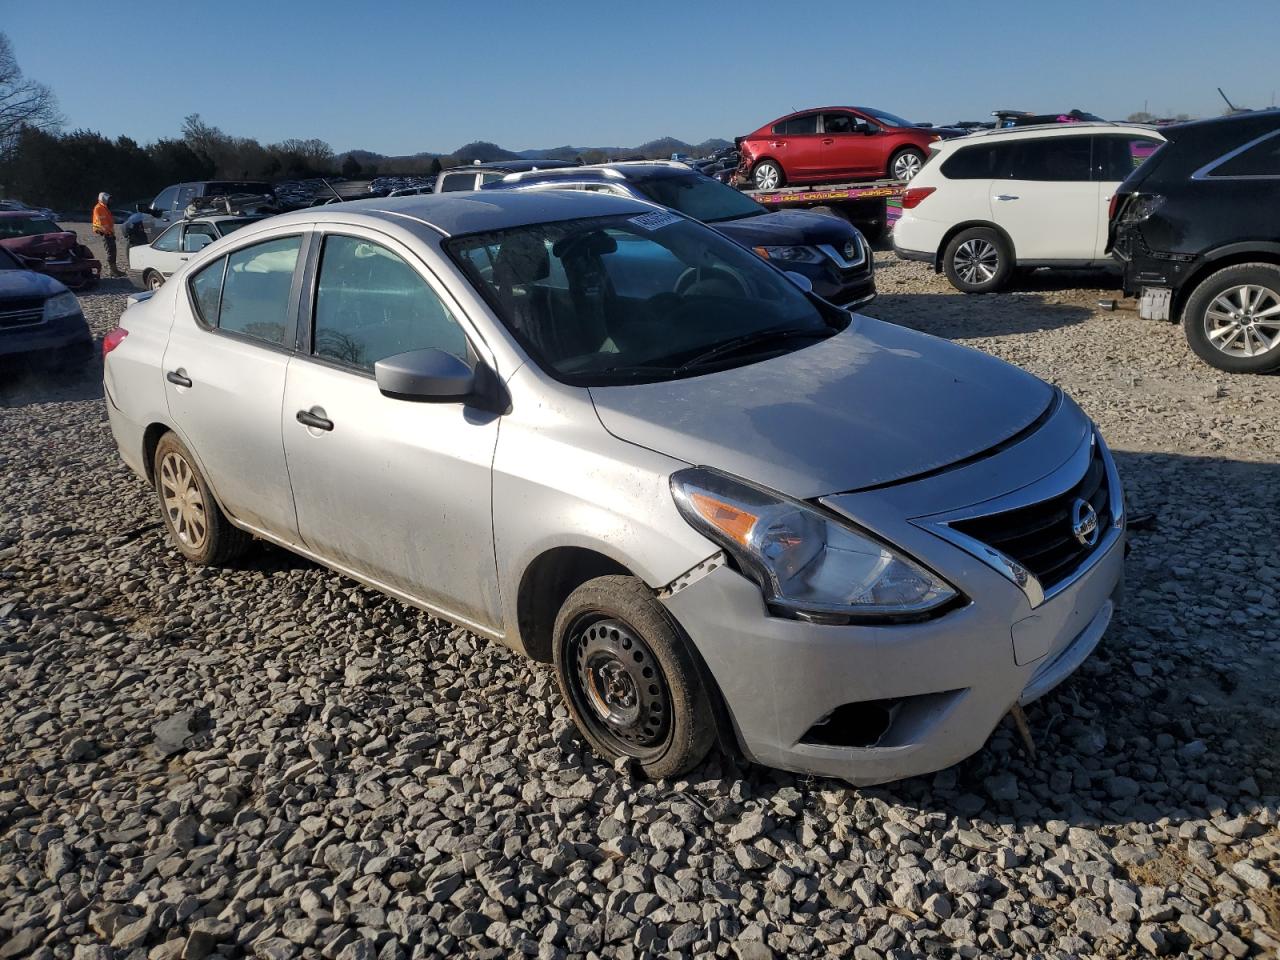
{"points": [[991, 202], [164, 255]]}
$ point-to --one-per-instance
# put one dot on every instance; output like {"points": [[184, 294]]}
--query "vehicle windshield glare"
{"points": [[885, 117], [699, 197], [27, 226], [637, 298], [227, 226]]}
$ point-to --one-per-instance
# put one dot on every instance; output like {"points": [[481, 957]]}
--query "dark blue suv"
{"points": [[827, 250]]}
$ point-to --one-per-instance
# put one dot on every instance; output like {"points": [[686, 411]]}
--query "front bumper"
{"points": [[66, 341]]}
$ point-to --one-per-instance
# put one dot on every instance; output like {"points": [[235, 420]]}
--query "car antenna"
{"points": [[1230, 106], [330, 186]]}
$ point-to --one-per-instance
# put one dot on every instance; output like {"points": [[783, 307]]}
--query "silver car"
{"points": [[606, 436]]}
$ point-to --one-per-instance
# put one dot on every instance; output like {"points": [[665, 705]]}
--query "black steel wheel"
{"points": [[619, 686]]}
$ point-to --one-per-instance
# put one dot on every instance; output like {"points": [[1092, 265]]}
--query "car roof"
{"points": [[453, 214], [1078, 128], [512, 165], [602, 172]]}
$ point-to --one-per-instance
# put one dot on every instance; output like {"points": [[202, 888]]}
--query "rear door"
{"points": [[1049, 203], [1115, 156], [224, 369], [797, 145]]}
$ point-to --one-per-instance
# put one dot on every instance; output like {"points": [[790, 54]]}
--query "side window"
{"points": [[981, 162], [1058, 159], [255, 292], [370, 304], [1114, 157], [1260, 160], [805, 124], [458, 181], [164, 202], [185, 196], [206, 290], [167, 242], [197, 237], [837, 123]]}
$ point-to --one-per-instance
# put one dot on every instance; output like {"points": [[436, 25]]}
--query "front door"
{"points": [[224, 370], [848, 150], [1049, 203], [395, 490]]}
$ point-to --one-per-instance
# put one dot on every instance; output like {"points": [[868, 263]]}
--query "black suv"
{"points": [[1197, 231]]}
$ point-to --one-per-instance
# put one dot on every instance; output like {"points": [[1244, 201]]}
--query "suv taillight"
{"points": [[1114, 205], [113, 339], [1138, 207], [914, 196]]}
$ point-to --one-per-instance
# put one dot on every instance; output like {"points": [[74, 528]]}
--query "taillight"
{"points": [[113, 339], [1113, 206], [914, 196], [1139, 207]]}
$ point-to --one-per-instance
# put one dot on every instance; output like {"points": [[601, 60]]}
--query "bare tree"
{"points": [[23, 102]]}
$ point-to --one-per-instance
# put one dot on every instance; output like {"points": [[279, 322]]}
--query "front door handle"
{"points": [[1004, 196], [316, 420], [178, 377]]}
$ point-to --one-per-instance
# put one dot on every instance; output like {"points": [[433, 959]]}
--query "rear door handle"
{"points": [[309, 419], [1004, 196], [178, 377], [828, 140]]}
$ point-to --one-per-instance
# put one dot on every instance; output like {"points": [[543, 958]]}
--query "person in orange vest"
{"points": [[104, 225]]}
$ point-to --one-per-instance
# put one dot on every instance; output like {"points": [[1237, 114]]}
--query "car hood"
{"points": [[25, 284], [43, 245], [874, 404], [786, 228]]}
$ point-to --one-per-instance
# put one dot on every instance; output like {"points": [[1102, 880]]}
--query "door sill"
{"points": [[407, 598]]}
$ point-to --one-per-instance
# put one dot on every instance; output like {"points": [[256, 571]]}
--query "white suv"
{"points": [[994, 201]]}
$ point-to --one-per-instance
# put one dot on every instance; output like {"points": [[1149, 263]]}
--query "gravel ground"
{"points": [[272, 760]]}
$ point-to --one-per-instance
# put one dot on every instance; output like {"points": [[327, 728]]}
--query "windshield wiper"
{"points": [[754, 339]]}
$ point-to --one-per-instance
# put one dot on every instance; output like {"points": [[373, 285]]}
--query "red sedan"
{"points": [[835, 143], [43, 246]]}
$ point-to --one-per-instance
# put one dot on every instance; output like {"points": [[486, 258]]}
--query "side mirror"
{"points": [[800, 280], [430, 376], [155, 213]]}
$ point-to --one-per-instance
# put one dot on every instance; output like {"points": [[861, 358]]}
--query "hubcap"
{"points": [[766, 177], [1244, 321], [906, 166], [977, 261], [620, 687], [183, 503]]}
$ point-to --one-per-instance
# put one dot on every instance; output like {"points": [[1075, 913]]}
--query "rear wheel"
{"points": [[1232, 319], [197, 526], [768, 176], [905, 164], [978, 260], [629, 680]]}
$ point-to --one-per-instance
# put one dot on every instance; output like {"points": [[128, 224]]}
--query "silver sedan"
{"points": [[606, 436]]}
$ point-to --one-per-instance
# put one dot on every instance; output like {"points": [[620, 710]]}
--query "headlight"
{"points": [[62, 305], [805, 562], [790, 254]]}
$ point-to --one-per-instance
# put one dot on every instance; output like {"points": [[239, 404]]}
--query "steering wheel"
{"points": [[697, 276]]}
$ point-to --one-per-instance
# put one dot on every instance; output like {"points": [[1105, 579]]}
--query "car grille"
{"points": [[1039, 537], [21, 313]]}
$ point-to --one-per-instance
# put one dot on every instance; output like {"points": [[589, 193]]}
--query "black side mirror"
{"points": [[430, 376]]}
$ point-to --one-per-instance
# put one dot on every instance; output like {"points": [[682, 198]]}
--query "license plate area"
{"points": [[1154, 303]]}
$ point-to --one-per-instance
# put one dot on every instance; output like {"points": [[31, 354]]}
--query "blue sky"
{"points": [[399, 77]]}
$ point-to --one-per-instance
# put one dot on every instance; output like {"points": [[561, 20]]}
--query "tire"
{"points": [[768, 175], [1221, 339], [196, 524], [618, 651], [978, 260], [905, 164], [152, 280]]}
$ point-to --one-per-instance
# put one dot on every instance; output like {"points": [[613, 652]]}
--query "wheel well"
{"points": [[150, 439], [547, 583], [1209, 268], [947, 237], [767, 159]]}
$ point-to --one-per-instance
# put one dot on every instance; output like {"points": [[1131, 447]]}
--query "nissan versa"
{"points": [[609, 437]]}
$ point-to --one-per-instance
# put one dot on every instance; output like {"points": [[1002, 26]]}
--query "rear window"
{"points": [[458, 181], [1260, 160], [27, 226], [1115, 157], [699, 197], [979, 162]]}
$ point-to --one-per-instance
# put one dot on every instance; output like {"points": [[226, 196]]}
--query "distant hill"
{"points": [[484, 151]]}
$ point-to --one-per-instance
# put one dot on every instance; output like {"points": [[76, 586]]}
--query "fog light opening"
{"points": [[854, 724]]}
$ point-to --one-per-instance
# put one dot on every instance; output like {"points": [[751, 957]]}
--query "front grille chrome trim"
{"points": [[1055, 485]]}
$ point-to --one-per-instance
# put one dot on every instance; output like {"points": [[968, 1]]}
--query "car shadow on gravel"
{"points": [[26, 384], [981, 315], [1174, 717]]}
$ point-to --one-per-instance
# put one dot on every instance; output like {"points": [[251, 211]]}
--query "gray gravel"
{"points": [[271, 760]]}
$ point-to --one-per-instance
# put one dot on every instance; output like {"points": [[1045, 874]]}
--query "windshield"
{"points": [[8, 261], [885, 117], [633, 298], [27, 226], [699, 197]]}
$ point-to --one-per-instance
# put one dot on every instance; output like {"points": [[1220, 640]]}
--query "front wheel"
{"points": [[629, 679], [767, 176], [978, 260], [1232, 319], [905, 164]]}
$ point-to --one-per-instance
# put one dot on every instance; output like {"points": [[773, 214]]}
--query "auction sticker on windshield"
{"points": [[656, 220]]}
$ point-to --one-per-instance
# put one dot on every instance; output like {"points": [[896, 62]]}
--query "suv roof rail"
{"points": [[1059, 127], [229, 205]]}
